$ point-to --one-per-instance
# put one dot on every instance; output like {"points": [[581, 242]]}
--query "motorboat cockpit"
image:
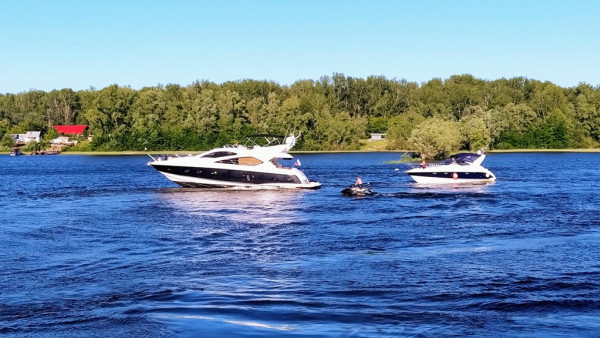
{"points": [[236, 166], [458, 168]]}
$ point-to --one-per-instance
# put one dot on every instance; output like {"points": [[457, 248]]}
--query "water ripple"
{"points": [[106, 246]]}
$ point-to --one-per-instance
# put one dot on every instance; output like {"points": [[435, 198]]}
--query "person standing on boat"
{"points": [[423, 164], [358, 182]]}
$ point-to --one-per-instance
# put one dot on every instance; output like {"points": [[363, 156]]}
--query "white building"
{"points": [[375, 137], [62, 140], [33, 136], [27, 137]]}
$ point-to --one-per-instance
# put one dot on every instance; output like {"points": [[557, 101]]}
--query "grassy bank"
{"points": [[112, 153], [373, 145], [566, 150], [366, 145]]}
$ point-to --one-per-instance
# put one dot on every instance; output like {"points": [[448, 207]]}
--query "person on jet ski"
{"points": [[358, 182]]}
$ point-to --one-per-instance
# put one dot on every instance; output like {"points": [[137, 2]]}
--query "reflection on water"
{"points": [[273, 206], [452, 188], [419, 191]]}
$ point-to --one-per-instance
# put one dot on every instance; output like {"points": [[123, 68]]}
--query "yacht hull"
{"points": [[199, 177]]}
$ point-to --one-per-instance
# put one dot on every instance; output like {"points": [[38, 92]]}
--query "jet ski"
{"points": [[355, 190]]}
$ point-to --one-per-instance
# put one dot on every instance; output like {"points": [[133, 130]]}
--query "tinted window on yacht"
{"points": [[219, 154]]}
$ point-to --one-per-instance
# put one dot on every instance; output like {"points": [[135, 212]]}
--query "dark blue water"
{"points": [[106, 246]]}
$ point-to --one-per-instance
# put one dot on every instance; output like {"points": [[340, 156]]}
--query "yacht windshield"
{"points": [[218, 154]]}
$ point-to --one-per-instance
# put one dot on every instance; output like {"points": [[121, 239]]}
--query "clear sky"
{"points": [[80, 44]]}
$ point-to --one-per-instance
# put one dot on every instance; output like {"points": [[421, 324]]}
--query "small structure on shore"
{"points": [[68, 136], [30, 136], [377, 137], [66, 132], [62, 140], [71, 130]]}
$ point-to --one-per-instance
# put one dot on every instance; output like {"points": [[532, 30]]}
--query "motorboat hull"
{"points": [[451, 175]]}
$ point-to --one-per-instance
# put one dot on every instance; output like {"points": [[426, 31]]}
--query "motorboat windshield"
{"points": [[461, 159]]}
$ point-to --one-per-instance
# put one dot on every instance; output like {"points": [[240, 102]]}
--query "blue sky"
{"points": [[78, 44]]}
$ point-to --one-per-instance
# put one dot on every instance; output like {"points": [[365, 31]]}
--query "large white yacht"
{"points": [[459, 168], [236, 166]]}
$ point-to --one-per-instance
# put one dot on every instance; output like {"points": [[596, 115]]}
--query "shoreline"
{"points": [[183, 152], [567, 150]]}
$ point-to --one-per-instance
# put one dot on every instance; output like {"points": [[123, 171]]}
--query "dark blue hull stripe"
{"points": [[226, 175], [461, 175]]}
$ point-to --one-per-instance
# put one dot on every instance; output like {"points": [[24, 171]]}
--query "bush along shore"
{"points": [[334, 113]]}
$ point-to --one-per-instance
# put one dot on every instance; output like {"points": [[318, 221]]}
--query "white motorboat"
{"points": [[459, 168], [236, 166]]}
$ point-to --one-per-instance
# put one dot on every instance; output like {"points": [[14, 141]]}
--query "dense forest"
{"points": [[334, 113]]}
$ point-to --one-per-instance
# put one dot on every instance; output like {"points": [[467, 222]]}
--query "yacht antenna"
{"points": [[287, 133]]}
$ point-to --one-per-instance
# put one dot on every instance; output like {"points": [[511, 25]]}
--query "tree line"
{"points": [[333, 113]]}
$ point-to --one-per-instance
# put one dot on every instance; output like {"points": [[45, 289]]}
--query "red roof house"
{"points": [[70, 130]]}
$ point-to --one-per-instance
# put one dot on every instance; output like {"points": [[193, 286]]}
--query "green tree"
{"points": [[400, 128], [475, 133], [509, 124], [546, 97], [6, 142], [62, 107], [586, 105], [331, 113], [435, 138], [50, 135], [463, 91]]}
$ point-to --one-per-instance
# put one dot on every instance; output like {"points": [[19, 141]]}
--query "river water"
{"points": [[106, 246]]}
